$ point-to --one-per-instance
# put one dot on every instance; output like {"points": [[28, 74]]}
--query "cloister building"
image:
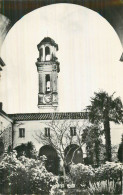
{"points": [[23, 127]]}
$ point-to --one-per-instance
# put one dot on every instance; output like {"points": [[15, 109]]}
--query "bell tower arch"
{"points": [[48, 68]]}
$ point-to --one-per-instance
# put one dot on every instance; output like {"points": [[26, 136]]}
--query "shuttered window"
{"points": [[21, 132], [73, 131], [47, 132]]}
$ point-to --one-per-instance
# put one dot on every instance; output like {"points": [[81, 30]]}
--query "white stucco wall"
{"points": [[35, 127]]}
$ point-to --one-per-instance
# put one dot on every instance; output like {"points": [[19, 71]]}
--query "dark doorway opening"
{"points": [[74, 154], [52, 163]]}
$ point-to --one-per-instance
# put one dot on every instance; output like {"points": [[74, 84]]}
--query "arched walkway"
{"points": [[52, 163], [74, 153]]}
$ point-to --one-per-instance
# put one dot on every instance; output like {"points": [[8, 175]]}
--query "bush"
{"points": [[81, 175], [29, 176], [56, 191], [1, 147], [27, 150], [24, 176], [103, 188], [109, 171]]}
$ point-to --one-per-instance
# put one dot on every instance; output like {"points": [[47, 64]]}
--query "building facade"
{"points": [[49, 123]]}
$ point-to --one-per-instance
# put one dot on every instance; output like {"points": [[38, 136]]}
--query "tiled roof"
{"points": [[6, 115], [48, 116]]}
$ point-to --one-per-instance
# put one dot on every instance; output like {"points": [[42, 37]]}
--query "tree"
{"points": [[5, 138], [2, 142], [120, 151], [68, 146], [92, 137], [105, 108], [27, 149], [1, 146]]}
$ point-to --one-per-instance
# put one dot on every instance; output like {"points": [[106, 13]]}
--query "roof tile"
{"points": [[48, 116]]}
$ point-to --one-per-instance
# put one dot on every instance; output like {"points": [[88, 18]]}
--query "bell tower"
{"points": [[48, 68]]}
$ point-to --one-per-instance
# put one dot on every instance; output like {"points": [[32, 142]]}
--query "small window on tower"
{"points": [[48, 83], [21, 132], [47, 132], [47, 53], [73, 131]]}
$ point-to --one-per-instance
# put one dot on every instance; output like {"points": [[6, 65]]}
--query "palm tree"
{"points": [[103, 109]]}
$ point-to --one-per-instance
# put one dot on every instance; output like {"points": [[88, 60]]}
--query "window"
{"points": [[21, 132], [73, 131], [47, 83], [47, 53], [47, 132]]}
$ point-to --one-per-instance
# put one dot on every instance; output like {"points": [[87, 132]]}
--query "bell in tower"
{"points": [[48, 69]]}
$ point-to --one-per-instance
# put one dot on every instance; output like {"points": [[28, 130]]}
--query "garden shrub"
{"points": [[55, 190], [81, 174], [27, 149], [1, 146], [29, 176], [24, 176], [109, 171], [103, 188]]}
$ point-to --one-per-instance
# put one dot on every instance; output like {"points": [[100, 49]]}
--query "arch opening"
{"points": [[52, 163], [74, 153], [47, 53]]}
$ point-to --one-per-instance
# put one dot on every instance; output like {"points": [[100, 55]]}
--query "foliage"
{"points": [[103, 188], [114, 150], [1, 146], [91, 136], [120, 151], [109, 171], [60, 139], [27, 149], [29, 176], [24, 175], [103, 103], [57, 191], [85, 176], [103, 109], [81, 174]]}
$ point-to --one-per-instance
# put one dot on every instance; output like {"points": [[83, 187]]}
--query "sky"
{"points": [[89, 53]]}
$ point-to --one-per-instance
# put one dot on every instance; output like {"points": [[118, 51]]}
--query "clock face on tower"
{"points": [[48, 98]]}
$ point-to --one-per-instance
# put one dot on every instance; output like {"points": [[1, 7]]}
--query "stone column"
{"points": [[41, 83], [54, 81]]}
